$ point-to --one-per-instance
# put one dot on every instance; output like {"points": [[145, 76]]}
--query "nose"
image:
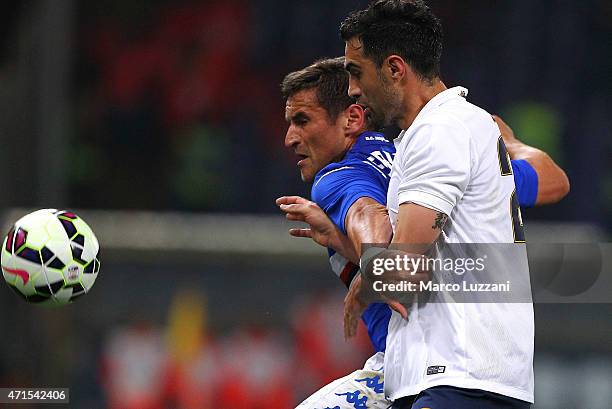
{"points": [[291, 138], [353, 90]]}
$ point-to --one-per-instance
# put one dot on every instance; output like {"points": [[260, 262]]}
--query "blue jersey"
{"points": [[364, 172]]}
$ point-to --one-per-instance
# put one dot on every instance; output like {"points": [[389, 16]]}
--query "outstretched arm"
{"points": [[553, 184], [366, 222], [320, 228]]}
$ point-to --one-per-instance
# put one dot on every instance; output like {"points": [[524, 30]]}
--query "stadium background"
{"points": [[161, 123]]}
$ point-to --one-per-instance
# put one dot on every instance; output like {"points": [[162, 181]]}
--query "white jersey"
{"points": [[448, 160]]}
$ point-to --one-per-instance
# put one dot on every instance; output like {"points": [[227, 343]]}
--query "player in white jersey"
{"points": [[449, 184]]}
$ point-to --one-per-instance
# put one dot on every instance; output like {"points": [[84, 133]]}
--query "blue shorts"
{"points": [[449, 397]]}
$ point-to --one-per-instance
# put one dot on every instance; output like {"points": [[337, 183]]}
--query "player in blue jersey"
{"points": [[349, 165]]}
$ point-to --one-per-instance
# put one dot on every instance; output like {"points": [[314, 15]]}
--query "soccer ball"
{"points": [[50, 257]]}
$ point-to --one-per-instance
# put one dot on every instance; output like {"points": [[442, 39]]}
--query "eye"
{"points": [[300, 121]]}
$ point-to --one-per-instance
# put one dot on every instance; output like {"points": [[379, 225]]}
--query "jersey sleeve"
{"points": [[436, 165], [526, 181], [337, 190]]}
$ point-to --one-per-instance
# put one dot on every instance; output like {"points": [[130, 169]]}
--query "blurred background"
{"points": [[162, 124]]}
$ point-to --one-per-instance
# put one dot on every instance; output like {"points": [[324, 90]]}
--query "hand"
{"points": [[359, 296], [322, 229]]}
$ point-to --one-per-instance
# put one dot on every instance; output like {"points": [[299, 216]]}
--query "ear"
{"points": [[397, 66], [355, 119]]}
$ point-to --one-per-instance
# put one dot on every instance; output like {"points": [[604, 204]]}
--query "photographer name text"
{"points": [[422, 286]]}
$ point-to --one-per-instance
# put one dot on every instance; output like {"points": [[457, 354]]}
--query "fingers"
{"points": [[294, 212], [301, 233], [287, 200], [296, 217], [293, 208], [399, 308], [296, 209], [299, 212], [288, 208], [352, 310], [351, 321]]}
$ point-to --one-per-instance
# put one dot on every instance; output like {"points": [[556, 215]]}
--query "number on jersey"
{"points": [[505, 168]]}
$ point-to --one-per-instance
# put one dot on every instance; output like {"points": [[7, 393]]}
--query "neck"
{"points": [[350, 141], [415, 101]]}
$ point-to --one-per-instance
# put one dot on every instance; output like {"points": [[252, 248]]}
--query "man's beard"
{"points": [[392, 103], [374, 121]]}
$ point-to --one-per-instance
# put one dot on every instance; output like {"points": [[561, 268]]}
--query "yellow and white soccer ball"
{"points": [[50, 257]]}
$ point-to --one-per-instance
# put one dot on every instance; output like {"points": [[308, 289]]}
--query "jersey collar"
{"points": [[439, 99], [364, 138], [371, 136]]}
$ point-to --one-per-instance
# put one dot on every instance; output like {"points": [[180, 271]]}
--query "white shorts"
{"points": [[363, 389]]}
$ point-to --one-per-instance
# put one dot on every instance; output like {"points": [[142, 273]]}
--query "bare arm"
{"points": [[553, 184], [418, 225], [367, 221], [417, 228]]}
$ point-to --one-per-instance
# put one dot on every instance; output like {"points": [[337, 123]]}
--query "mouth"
{"points": [[301, 158]]}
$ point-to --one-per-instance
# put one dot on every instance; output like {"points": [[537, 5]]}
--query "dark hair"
{"points": [[407, 28], [330, 80]]}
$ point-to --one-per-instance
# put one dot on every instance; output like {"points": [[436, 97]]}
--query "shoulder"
{"points": [[437, 131], [331, 175], [461, 114], [338, 175], [455, 125], [347, 181], [358, 161]]}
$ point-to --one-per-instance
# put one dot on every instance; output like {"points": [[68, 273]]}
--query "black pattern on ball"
{"points": [[89, 268], [46, 254], [56, 263], [30, 254], [77, 252], [80, 239], [55, 287], [69, 227], [76, 287]]}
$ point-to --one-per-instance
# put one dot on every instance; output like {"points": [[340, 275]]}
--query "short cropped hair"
{"points": [[330, 80], [407, 28]]}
